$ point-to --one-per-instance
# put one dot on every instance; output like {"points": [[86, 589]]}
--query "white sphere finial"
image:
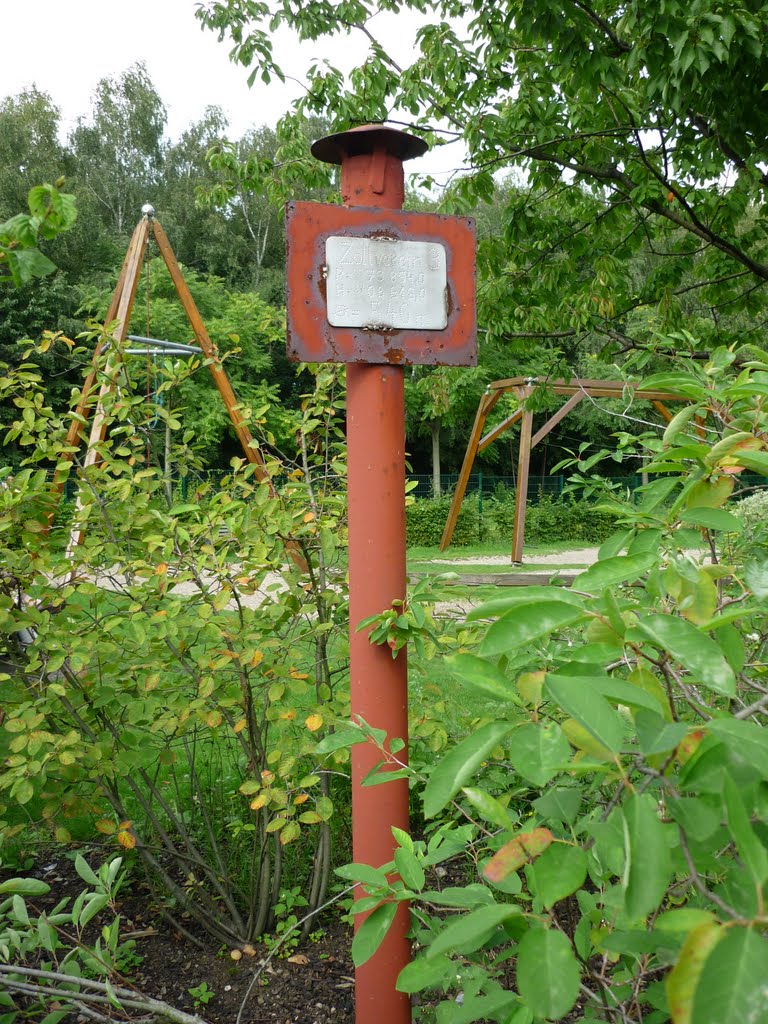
{"points": [[148, 210]]}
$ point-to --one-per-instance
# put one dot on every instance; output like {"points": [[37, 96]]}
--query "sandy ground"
{"points": [[273, 583]]}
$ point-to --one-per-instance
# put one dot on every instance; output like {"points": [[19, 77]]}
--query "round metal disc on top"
{"points": [[365, 139]]}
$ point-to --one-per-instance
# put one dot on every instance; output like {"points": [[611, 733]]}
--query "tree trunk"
{"points": [[435, 427]]}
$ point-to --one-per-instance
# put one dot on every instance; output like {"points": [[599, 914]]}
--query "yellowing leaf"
{"points": [[261, 800], [683, 978], [106, 826], [309, 517], [517, 852], [161, 569], [239, 726], [213, 719], [63, 835], [287, 716], [127, 840], [529, 686], [313, 722], [301, 798], [298, 675], [291, 831], [257, 659], [583, 740]]}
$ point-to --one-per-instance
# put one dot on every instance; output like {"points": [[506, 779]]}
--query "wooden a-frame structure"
{"points": [[118, 318], [574, 391]]}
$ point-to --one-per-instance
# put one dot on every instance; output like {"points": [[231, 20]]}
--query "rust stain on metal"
{"points": [[311, 338]]}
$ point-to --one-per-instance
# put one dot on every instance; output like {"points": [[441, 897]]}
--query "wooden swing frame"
{"points": [[574, 391], [118, 318]]}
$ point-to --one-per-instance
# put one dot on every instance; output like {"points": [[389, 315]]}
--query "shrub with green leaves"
{"points": [[171, 677], [606, 811]]}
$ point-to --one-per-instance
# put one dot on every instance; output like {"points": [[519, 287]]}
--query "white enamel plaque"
{"points": [[386, 284]]}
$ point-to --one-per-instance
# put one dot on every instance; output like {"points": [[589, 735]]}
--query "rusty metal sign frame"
{"points": [[312, 339]]}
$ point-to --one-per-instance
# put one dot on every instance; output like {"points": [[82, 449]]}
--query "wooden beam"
{"points": [[521, 488], [596, 388], [561, 413], [220, 379], [499, 430], [508, 579], [128, 279], [487, 402], [121, 307], [249, 445], [663, 410]]}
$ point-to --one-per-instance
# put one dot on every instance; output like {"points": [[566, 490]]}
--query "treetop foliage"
{"points": [[636, 132]]}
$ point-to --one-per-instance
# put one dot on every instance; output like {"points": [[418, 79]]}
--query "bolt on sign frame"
{"points": [[379, 289], [118, 316], [574, 391]]}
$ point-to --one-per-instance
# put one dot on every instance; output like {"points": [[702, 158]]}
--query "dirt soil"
{"points": [[313, 985]]}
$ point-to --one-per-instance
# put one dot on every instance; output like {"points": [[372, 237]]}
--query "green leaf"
{"points": [[346, 737], [751, 850], [747, 740], [22, 791], [523, 596], [363, 873], [468, 932], [20, 910], [559, 804], [756, 461], [94, 905], [23, 887], [548, 975], [655, 735], [85, 871], [590, 709], [528, 622], [697, 652], [538, 750], [612, 571], [648, 863], [488, 806], [484, 678], [372, 932], [712, 519], [683, 920], [558, 872], [459, 764], [409, 869], [425, 973], [732, 985], [466, 896]]}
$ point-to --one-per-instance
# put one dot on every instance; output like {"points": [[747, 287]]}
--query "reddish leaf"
{"points": [[517, 852]]}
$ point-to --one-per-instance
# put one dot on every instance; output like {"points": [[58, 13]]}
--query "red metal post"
{"points": [[372, 175]]}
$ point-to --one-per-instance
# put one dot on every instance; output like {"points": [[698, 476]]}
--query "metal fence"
{"points": [[553, 484], [487, 483]]}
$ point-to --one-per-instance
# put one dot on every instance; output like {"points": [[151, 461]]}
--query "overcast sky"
{"points": [[65, 46]]}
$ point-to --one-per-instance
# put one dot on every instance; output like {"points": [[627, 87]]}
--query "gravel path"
{"points": [[579, 556]]}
